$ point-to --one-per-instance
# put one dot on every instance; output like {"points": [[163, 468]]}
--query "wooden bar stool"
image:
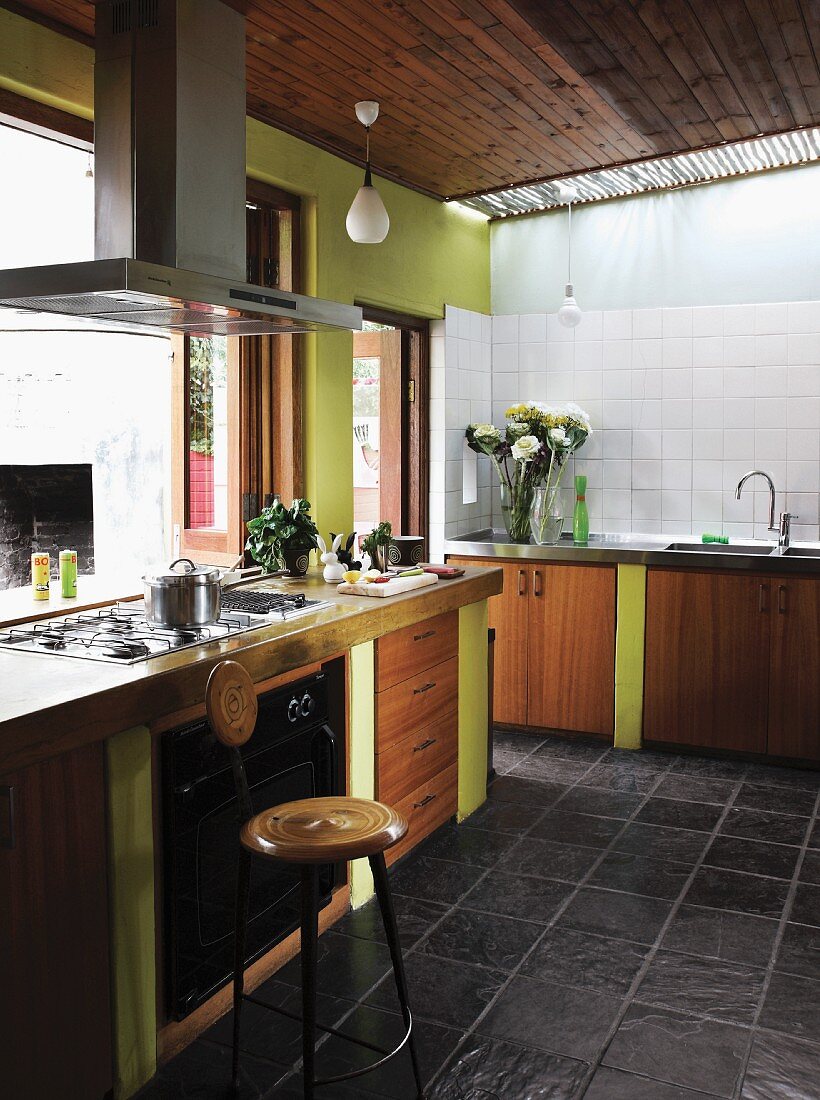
{"points": [[308, 833]]}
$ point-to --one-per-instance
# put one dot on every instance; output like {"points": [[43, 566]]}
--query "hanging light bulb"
{"points": [[367, 221], [569, 315], [89, 171]]}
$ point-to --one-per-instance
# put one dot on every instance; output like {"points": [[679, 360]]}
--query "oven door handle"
{"points": [[327, 732]]}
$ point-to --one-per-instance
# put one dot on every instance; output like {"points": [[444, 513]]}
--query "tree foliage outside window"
{"points": [[366, 387], [208, 371]]}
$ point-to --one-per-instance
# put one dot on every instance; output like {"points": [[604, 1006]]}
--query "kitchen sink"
{"points": [[719, 548], [803, 552]]}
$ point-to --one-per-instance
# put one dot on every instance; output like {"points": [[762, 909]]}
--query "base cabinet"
{"points": [[54, 986], [554, 645], [731, 662]]}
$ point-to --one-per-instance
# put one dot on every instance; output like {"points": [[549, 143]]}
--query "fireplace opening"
{"points": [[47, 508]]}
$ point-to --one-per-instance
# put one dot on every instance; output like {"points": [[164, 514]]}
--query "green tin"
{"points": [[68, 574]]}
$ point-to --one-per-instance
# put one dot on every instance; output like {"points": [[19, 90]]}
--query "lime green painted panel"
{"points": [[472, 707], [629, 656], [45, 66], [361, 749], [131, 877]]}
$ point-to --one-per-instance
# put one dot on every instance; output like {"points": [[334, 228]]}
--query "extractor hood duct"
{"points": [[169, 145]]}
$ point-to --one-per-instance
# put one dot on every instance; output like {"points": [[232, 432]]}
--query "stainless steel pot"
{"points": [[183, 600]]}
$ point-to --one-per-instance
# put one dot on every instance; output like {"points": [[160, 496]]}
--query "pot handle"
{"points": [[187, 562]]}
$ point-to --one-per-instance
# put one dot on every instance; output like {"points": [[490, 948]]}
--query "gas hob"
{"points": [[119, 634]]}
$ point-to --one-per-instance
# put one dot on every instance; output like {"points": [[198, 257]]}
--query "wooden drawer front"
{"points": [[414, 704], [427, 807], [404, 653], [417, 759]]}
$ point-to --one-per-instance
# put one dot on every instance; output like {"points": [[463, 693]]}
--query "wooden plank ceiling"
{"points": [[478, 95]]}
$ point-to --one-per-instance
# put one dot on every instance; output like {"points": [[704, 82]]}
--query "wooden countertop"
{"points": [[49, 704]]}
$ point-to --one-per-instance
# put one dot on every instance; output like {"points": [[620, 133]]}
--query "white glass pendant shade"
{"points": [[367, 221], [569, 315], [367, 111]]}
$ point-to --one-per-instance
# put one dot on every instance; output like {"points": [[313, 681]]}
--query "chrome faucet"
{"points": [[761, 473], [785, 531]]}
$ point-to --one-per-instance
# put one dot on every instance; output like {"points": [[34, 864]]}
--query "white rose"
{"points": [[487, 433], [558, 437], [525, 448]]}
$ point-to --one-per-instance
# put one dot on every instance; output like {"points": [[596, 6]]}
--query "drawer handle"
{"points": [[425, 744], [522, 583], [7, 838], [421, 637], [536, 583], [424, 802], [781, 599], [761, 597], [423, 688]]}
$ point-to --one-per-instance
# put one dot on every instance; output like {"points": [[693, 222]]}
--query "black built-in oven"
{"points": [[292, 754]]}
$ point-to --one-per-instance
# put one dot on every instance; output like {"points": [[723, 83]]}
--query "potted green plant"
{"points": [[377, 545], [283, 537]]}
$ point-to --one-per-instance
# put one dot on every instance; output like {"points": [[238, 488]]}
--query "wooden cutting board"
{"points": [[391, 588]]}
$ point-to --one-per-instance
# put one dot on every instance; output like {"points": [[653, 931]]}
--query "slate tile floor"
{"points": [[610, 925]]}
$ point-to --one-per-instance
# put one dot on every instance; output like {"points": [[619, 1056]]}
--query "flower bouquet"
{"points": [[530, 454]]}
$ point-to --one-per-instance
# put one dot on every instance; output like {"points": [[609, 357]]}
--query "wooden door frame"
{"points": [[415, 415]]}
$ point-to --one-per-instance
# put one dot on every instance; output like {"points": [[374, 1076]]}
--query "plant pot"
{"points": [[380, 558], [296, 561]]}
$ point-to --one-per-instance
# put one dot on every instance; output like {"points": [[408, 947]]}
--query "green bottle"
{"points": [[580, 518]]}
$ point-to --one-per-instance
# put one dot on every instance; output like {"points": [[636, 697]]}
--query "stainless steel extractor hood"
{"points": [[169, 144]]}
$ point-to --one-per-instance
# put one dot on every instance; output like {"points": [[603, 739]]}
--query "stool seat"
{"points": [[323, 830]]}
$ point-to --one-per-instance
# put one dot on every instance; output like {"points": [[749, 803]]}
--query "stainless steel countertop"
{"points": [[743, 554]]}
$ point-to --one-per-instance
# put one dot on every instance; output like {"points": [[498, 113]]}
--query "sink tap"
{"points": [[761, 473], [785, 530]]}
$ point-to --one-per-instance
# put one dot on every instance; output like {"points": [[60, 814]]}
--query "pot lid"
{"points": [[184, 572]]}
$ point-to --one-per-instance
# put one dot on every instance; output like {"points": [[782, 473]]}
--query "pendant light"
{"points": [[569, 315], [367, 221]]}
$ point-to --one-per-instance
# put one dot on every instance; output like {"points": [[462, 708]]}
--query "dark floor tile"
{"points": [[577, 828], [640, 759], [799, 951], [548, 859], [486, 1068], [694, 789], [704, 1055], [757, 825], [806, 907], [478, 847], [737, 854], [600, 803], [792, 1005], [776, 799], [503, 817], [661, 842], [442, 991], [520, 896], [655, 878], [717, 888], [703, 986], [504, 762], [614, 1084], [550, 768], [512, 741], [679, 814], [434, 879], [616, 777], [434, 1045], [707, 767], [203, 1072], [527, 792], [485, 938], [557, 1018], [413, 917], [593, 962], [347, 966], [814, 836], [781, 1068], [810, 868], [717, 934], [573, 748], [622, 916], [774, 775]]}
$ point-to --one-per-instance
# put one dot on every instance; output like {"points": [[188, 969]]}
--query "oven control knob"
{"points": [[293, 710], [308, 705]]}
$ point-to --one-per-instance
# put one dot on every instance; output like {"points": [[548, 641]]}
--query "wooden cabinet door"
{"points": [[508, 617], [571, 663], [794, 685], [707, 659], [54, 992]]}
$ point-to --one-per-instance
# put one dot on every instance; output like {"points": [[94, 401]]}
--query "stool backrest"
{"points": [[232, 709]]}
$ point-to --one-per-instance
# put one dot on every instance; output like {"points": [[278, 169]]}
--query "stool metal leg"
{"points": [[243, 883], [309, 952], [385, 899]]}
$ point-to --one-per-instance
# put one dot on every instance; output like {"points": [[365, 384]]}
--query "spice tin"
{"points": [[40, 569], [68, 574]]}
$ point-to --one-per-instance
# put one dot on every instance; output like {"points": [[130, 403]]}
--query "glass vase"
{"points": [[546, 516], [516, 501]]}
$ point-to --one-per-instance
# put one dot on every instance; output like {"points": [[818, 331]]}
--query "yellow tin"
{"points": [[40, 571]]}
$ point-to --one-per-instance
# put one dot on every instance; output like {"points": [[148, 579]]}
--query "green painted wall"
{"points": [[433, 253], [472, 707], [362, 747], [629, 656]]}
